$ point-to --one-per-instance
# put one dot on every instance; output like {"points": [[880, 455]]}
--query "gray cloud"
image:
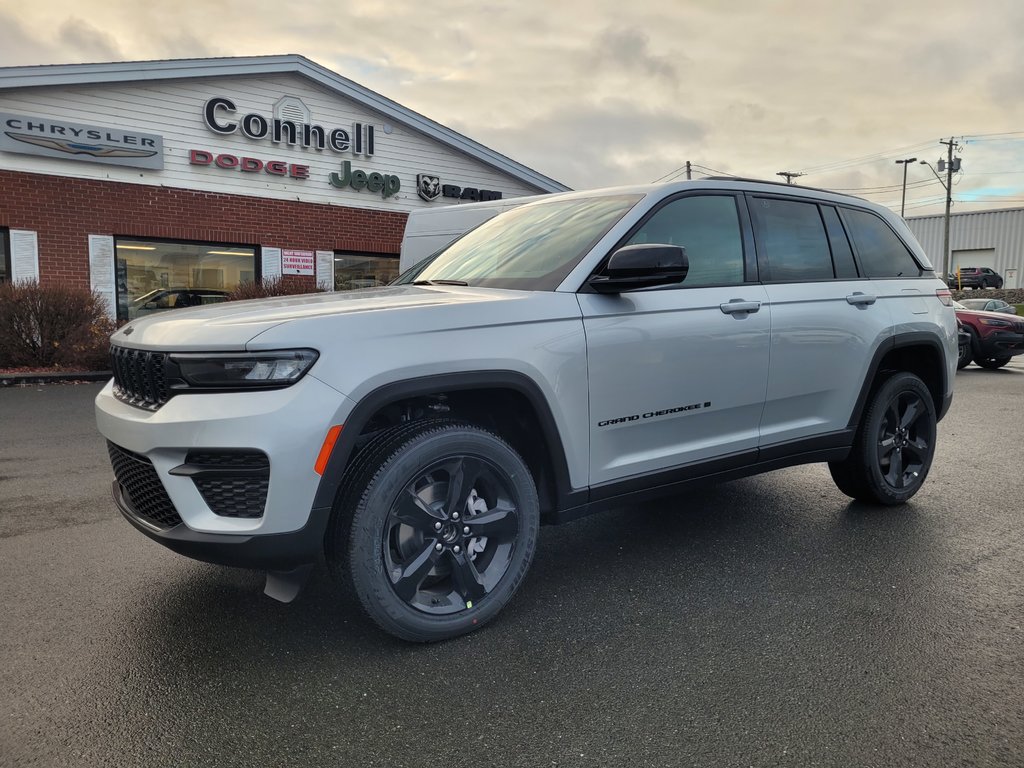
{"points": [[629, 49], [88, 42], [596, 92]]}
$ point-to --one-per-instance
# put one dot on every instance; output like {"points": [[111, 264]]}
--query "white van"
{"points": [[430, 229]]}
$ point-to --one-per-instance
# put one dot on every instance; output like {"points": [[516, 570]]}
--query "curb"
{"points": [[23, 379]]}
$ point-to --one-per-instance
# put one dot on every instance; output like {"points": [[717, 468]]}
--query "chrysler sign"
{"points": [[45, 137]]}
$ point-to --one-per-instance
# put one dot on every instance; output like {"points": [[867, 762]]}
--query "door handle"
{"points": [[857, 297], [739, 305]]}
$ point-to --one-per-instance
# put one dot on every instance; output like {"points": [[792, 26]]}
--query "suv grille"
{"points": [[142, 488], [233, 483], [139, 377]]}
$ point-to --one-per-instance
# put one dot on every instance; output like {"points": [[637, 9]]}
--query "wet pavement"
{"points": [[763, 622]]}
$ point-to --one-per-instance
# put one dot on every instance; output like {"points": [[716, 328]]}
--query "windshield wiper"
{"points": [[439, 282]]}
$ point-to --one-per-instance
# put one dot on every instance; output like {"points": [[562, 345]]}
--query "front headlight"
{"points": [[244, 370], [997, 323]]}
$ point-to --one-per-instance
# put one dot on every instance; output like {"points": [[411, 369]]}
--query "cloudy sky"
{"points": [[601, 92]]}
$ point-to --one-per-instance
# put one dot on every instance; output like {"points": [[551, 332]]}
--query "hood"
{"points": [[1015, 320], [230, 326]]}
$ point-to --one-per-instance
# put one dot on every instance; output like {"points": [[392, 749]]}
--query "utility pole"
{"points": [[790, 175], [903, 200], [950, 146], [688, 177]]}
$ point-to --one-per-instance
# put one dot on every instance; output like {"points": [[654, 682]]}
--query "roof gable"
{"points": [[176, 69]]}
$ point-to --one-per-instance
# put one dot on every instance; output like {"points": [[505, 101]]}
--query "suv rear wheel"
{"points": [[442, 525], [964, 350], [894, 445]]}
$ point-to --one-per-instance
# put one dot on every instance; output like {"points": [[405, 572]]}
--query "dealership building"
{"points": [[168, 183]]}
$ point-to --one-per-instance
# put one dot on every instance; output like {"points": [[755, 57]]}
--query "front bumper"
{"points": [[269, 552], [1002, 344], [287, 425]]}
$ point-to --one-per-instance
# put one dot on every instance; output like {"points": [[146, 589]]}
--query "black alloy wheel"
{"points": [[903, 446], [449, 536], [894, 445], [435, 528]]}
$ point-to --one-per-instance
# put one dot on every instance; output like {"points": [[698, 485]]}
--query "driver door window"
{"points": [[708, 227]]}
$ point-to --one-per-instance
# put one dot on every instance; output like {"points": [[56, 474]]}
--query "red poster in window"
{"points": [[298, 262]]}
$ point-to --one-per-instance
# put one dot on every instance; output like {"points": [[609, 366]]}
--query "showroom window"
{"points": [[5, 256], [355, 270], [155, 275]]}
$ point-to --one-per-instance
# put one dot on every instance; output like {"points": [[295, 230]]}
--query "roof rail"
{"points": [[775, 183]]}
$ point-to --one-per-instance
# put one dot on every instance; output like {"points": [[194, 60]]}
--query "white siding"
{"points": [[173, 109], [1001, 231]]}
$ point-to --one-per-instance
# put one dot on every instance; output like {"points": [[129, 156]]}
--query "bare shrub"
{"points": [[274, 286], [53, 326]]}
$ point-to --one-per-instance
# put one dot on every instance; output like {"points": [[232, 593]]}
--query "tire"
{"points": [[991, 363], [963, 355], [399, 535], [899, 423], [966, 354]]}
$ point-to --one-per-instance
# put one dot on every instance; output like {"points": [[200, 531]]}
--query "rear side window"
{"points": [[708, 227], [792, 240], [881, 253]]}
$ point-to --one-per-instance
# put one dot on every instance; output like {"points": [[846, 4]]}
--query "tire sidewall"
{"points": [[366, 561]]}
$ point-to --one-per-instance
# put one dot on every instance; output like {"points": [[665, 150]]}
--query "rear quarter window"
{"points": [[880, 251]]}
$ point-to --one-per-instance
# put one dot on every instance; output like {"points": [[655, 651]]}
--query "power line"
{"points": [[884, 155], [886, 187], [716, 171]]}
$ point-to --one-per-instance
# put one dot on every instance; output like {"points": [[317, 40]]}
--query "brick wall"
{"points": [[65, 211]]}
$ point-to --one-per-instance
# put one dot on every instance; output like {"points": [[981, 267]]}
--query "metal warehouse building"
{"points": [[992, 239]]}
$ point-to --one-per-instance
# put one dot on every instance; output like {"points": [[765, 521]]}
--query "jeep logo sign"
{"points": [[386, 183]]}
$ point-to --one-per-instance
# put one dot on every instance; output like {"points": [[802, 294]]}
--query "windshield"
{"points": [[529, 248]]}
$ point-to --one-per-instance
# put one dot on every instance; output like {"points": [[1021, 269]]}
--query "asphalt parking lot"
{"points": [[764, 622]]}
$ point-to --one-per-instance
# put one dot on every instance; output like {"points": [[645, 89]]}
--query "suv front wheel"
{"points": [[894, 445], [440, 520]]}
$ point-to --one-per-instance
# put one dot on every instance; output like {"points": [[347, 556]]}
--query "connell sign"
{"points": [[220, 116]]}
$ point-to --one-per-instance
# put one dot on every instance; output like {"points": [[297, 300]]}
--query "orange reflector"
{"points": [[326, 448]]}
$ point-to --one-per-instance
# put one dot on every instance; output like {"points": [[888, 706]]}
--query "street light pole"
{"points": [[904, 163]]}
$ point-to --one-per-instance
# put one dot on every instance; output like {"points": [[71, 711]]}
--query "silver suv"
{"points": [[575, 353]]}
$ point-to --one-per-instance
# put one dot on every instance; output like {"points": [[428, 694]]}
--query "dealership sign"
{"points": [[45, 137], [430, 189], [220, 116], [231, 162]]}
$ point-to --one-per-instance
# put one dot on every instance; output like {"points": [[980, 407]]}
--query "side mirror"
{"points": [[642, 266], [149, 305]]}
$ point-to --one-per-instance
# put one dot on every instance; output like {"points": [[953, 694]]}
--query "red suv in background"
{"points": [[976, 277], [995, 336]]}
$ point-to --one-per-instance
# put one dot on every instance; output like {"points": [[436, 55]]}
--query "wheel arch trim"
{"points": [[900, 341], [386, 394]]}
